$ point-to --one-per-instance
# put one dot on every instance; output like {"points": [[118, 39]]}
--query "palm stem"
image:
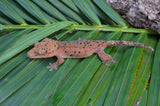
{"points": [[84, 27]]}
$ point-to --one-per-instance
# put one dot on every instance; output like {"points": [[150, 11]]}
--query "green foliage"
{"points": [[25, 81]]}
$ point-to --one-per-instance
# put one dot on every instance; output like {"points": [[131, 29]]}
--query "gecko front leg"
{"points": [[56, 64], [105, 57]]}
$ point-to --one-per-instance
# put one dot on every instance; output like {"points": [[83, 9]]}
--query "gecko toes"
{"points": [[113, 61], [107, 62], [79, 38], [48, 66], [52, 66], [55, 68]]}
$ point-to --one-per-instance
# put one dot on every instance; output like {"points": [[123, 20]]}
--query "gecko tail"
{"points": [[128, 43]]}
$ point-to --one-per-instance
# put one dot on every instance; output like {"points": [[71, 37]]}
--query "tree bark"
{"points": [[139, 13]]}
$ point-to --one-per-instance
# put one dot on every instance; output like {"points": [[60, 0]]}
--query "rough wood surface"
{"points": [[139, 13]]}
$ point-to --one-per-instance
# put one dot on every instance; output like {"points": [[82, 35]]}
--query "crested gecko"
{"points": [[76, 49]]}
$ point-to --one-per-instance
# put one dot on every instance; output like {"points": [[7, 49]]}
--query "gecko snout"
{"points": [[32, 53]]}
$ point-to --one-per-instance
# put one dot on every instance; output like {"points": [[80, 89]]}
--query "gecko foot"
{"points": [[81, 39], [110, 61], [113, 61], [52, 66]]}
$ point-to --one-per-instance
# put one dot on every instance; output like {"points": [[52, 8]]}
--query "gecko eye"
{"points": [[37, 50], [41, 50]]}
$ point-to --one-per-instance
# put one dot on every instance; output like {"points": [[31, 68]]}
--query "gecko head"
{"points": [[43, 49]]}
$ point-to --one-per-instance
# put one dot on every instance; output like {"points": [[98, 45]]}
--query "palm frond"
{"points": [[24, 81]]}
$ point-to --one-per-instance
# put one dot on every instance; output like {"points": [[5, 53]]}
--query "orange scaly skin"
{"points": [[76, 49]]}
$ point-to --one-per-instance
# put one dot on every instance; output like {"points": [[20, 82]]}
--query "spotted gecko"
{"points": [[76, 49]]}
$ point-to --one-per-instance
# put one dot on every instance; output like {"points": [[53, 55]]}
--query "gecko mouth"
{"points": [[31, 54], [34, 55]]}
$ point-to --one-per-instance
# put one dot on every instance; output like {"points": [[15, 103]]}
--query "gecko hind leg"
{"points": [[56, 64], [105, 57]]}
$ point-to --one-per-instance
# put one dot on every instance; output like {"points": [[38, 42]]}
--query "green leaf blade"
{"points": [[67, 11], [154, 88], [110, 12], [142, 76], [8, 10], [88, 10], [50, 9]]}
